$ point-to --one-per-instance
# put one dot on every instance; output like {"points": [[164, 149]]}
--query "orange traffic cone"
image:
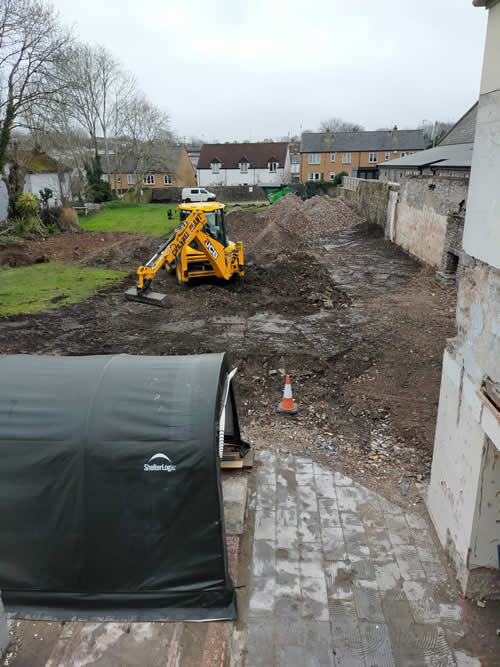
{"points": [[287, 405]]}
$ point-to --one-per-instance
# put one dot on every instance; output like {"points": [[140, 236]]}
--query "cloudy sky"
{"points": [[234, 70]]}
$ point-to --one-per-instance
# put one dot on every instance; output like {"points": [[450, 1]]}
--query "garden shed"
{"points": [[110, 493]]}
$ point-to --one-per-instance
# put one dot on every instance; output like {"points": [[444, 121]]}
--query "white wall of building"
{"points": [[36, 182], [4, 201], [464, 491], [263, 177], [482, 233]]}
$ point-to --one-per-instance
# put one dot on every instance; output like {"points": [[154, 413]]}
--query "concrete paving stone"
{"points": [[263, 558], [286, 462], [362, 568], [464, 660], [334, 546], [265, 498], [260, 642], [267, 456], [416, 522], [339, 580], [348, 518], [422, 538], [309, 529], [314, 598], [290, 655], [343, 657], [286, 535], [290, 607], [311, 560], [388, 507], [318, 643], [303, 464], [289, 632], [425, 611], [262, 595], [371, 513], [287, 560], [328, 512], [357, 549], [434, 572], [287, 517], [320, 470], [342, 480], [266, 477], [305, 479], [285, 499], [450, 613], [388, 578], [408, 562], [306, 499], [398, 529], [288, 585], [368, 602], [379, 543], [265, 525], [325, 487], [376, 644], [362, 493], [347, 500], [429, 554]]}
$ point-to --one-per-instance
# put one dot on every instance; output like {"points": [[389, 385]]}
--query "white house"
{"points": [[265, 164]]}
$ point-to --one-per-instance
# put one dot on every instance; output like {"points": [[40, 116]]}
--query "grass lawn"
{"points": [[143, 219], [31, 288]]}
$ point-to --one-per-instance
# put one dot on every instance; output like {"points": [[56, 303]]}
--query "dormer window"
{"points": [[273, 165], [215, 164], [244, 167]]}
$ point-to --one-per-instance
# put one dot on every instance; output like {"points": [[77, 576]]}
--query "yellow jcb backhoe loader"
{"points": [[197, 248]]}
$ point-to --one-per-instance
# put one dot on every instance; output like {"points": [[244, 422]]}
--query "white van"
{"points": [[197, 194]]}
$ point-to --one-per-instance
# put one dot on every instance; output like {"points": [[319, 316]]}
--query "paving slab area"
{"points": [[342, 577]]}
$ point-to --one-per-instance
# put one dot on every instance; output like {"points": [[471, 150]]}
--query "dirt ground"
{"points": [[359, 326]]}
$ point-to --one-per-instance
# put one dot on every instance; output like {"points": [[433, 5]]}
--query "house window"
{"points": [[131, 180], [332, 175], [118, 178], [373, 157], [273, 166], [104, 178], [215, 167], [404, 153], [244, 167], [149, 179], [314, 176], [332, 157], [167, 180], [388, 155], [314, 158], [346, 158]]}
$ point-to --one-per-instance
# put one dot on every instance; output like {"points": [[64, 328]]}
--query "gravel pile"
{"points": [[318, 216]]}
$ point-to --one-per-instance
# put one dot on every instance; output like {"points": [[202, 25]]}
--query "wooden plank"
{"points": [[231, 464]]}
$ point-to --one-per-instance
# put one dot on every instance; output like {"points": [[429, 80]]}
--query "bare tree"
{"points": [[339, 125], [31, 46], [145, 136], [434, 131]]}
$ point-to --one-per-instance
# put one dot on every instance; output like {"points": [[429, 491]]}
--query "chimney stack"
{"points": [[394, 130]]}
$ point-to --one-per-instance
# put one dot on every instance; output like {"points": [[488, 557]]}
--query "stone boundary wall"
{"points": [[370, 198], [224, 194]]}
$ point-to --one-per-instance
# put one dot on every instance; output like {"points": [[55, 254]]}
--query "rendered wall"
{"points": [[36, 182], [422, 211], [482, 240], [262, 177], [4, 630]]}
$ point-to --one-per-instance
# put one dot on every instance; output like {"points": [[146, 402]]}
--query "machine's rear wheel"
{"points": [[187, 201]]}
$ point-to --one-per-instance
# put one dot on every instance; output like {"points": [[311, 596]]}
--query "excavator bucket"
{"points": [[151, 298]]}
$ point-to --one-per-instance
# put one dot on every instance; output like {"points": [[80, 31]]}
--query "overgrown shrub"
{"points": [[97, 190], [338, 178], [28, 220], [317, 188], [68, 219]]}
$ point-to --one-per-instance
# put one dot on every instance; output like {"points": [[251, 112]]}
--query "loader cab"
{"points": [[214, 214]]}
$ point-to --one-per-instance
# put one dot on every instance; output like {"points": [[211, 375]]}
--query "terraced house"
{"points": [[323, 155]]}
